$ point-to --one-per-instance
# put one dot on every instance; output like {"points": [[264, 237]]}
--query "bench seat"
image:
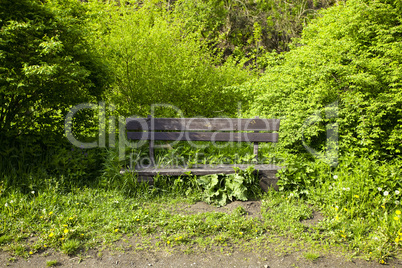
{"points": [[266, 173]]}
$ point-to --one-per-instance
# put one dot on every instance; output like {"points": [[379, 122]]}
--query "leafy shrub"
{"points": [[46, 66], [51, 263], [298, 174], [219, 189], [157, 61], [350, 57]]}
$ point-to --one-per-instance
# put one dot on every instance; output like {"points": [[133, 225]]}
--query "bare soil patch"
{"points": [[179, 259], [252, 208]]}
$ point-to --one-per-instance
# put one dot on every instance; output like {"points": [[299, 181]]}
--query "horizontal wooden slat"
{"points": [[208, 124], [204, 136], [206, 170]]}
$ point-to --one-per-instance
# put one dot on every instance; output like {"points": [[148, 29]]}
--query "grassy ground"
{"points": [[85, 219], [358, 204]]}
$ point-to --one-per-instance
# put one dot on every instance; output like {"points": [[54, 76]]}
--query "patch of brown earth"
{"points": [[315, 218], [164, 258], [252, 208]]}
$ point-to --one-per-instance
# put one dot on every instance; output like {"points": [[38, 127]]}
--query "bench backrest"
{"points": [[203, 129]]}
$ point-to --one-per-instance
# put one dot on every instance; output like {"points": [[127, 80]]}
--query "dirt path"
{"points": [[205, 259]]}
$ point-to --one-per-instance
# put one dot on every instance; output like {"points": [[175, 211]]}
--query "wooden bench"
{"points": [[253, 130]]}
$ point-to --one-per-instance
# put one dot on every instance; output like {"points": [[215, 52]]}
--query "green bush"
{"points": [[46, 66], [33, 166], [349, 58], [157, 61], [220, 189]]}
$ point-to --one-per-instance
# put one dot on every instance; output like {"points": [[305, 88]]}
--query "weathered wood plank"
{"points": [[267, 177], [201, 170], [207, 124], [204, 136]]}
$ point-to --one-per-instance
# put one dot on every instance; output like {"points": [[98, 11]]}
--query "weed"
{"points": [[70, 247], [20, 250], [311, 256], [5, 239], [219, 189], [52, 263], [239, 211]]}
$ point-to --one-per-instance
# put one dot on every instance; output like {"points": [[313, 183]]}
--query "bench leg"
{"points": [[268, 179]]}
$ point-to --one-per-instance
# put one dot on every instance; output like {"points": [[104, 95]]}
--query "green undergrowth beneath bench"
{"points": [[202, 153], [217, 189]]}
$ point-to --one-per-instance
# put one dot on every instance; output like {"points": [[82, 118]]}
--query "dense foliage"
{"points": [[349, 59], [249, 28], [45, 66], [334, 77], [155, 60]]}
